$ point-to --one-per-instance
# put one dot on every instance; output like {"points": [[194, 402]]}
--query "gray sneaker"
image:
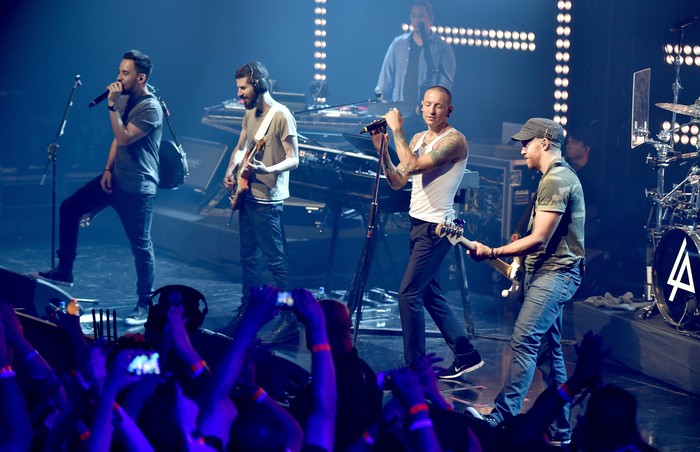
{"points": [[138, 316]]}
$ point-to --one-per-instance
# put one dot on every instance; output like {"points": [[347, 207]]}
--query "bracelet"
{"points": [[493, 254], [6, 372], [260, 395], [31, 355], [107, 170], [368, 439], [565, 393], [417, 408], [85, 435], [321, 348], [420, 423], [197, 368]]}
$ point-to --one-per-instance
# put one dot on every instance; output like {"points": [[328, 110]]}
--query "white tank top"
{"points": [[433, 192]]}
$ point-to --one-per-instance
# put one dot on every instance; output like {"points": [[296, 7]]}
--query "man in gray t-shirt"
{"points": [[554, 255], [128, 182]]}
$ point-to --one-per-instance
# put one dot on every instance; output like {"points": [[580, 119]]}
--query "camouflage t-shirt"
{"points": [[560, 191]]}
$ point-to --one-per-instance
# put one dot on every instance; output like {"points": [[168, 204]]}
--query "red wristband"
{"points": [[417, 408], [320, 348]]}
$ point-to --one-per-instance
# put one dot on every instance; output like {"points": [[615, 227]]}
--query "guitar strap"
{"points": [[262, 130]]}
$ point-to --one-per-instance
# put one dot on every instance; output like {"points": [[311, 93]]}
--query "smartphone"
{"points": [[285, 300], [145, 364]]}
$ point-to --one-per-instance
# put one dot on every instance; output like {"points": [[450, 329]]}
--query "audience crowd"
{"points": [[157, 392]]}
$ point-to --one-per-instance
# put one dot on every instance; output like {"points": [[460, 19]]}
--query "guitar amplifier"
{"points": [[204, 159]]}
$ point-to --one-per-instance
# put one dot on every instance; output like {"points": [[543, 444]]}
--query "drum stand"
{"points": [[665, 203]]}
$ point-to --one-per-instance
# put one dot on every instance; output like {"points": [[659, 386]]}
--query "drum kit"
{"points": [[676, 233]]}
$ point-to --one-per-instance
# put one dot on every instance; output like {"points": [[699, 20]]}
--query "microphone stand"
{"points": [[357, 289], [51, 160]]}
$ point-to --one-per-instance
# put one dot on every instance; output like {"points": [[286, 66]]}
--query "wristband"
{"points": [[6, 372], [420, 423], [259, 396], [417, 408], [320, 348], [565, 393], [368, 439], [197, 368], [107, 170], [493, 254]]}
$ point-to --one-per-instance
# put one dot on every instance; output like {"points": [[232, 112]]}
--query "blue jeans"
{"points": [[420, 288], [136, 214], [262, 236], [540, 318]]}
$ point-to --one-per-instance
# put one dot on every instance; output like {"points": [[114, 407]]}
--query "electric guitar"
{"points": [[240, 184], [455, 234]]}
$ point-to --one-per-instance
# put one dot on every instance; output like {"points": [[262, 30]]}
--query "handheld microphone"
{"points": [[378, 124], [99, 99]]}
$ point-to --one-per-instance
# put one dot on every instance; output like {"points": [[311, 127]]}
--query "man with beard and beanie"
{"points": [[435, 161], [258, 174], [554, 259], [128, 183]]}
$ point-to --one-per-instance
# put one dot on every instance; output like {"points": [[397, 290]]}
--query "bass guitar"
{"points": [[455, 234], [242, 174]]}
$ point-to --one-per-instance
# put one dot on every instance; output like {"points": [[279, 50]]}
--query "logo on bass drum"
{"points": [[681, 272]]}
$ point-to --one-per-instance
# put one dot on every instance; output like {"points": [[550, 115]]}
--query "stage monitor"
{"points": [[204, 158]]}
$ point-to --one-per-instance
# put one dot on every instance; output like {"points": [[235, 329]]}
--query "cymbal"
{"points": [[690, 110]]}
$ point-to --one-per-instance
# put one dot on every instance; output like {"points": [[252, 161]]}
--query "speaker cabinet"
{"points": [[204, 159]]}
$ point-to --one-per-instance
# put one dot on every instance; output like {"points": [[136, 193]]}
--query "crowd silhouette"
{"points": [[168, 390]]}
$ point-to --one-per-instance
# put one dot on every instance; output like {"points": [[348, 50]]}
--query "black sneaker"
{"points": [[138, 316], [56, 276], [488, 418], [492, 420], [462, 365]]}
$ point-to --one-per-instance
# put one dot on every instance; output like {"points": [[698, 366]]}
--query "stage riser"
{"points": [[650, 346]]}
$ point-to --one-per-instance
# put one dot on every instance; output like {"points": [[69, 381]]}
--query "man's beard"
{"points": [[251, 103]]}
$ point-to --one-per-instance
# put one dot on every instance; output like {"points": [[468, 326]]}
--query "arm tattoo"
{"points": [[448, 149]]}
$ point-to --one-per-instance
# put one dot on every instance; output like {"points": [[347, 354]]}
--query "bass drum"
{"points": [[676, 268]]}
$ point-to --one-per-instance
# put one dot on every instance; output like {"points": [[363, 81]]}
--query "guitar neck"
{"points": [[499, 265]]}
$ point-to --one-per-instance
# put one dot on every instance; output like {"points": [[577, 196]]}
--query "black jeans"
{"points": [[420, 288], [135, 212], [262, 236]]}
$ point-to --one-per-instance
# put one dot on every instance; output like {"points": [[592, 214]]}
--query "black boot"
{"points": [[230, 328], [286, 330]]}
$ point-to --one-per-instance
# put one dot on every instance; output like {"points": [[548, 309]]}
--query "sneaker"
{"points": [[467, 363], [472, 411], [488, 418], [138, 316], [559, 441], [56, 276], [491, 420]]}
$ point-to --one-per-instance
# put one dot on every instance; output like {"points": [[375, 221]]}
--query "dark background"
{"points": [[197, 46]]}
